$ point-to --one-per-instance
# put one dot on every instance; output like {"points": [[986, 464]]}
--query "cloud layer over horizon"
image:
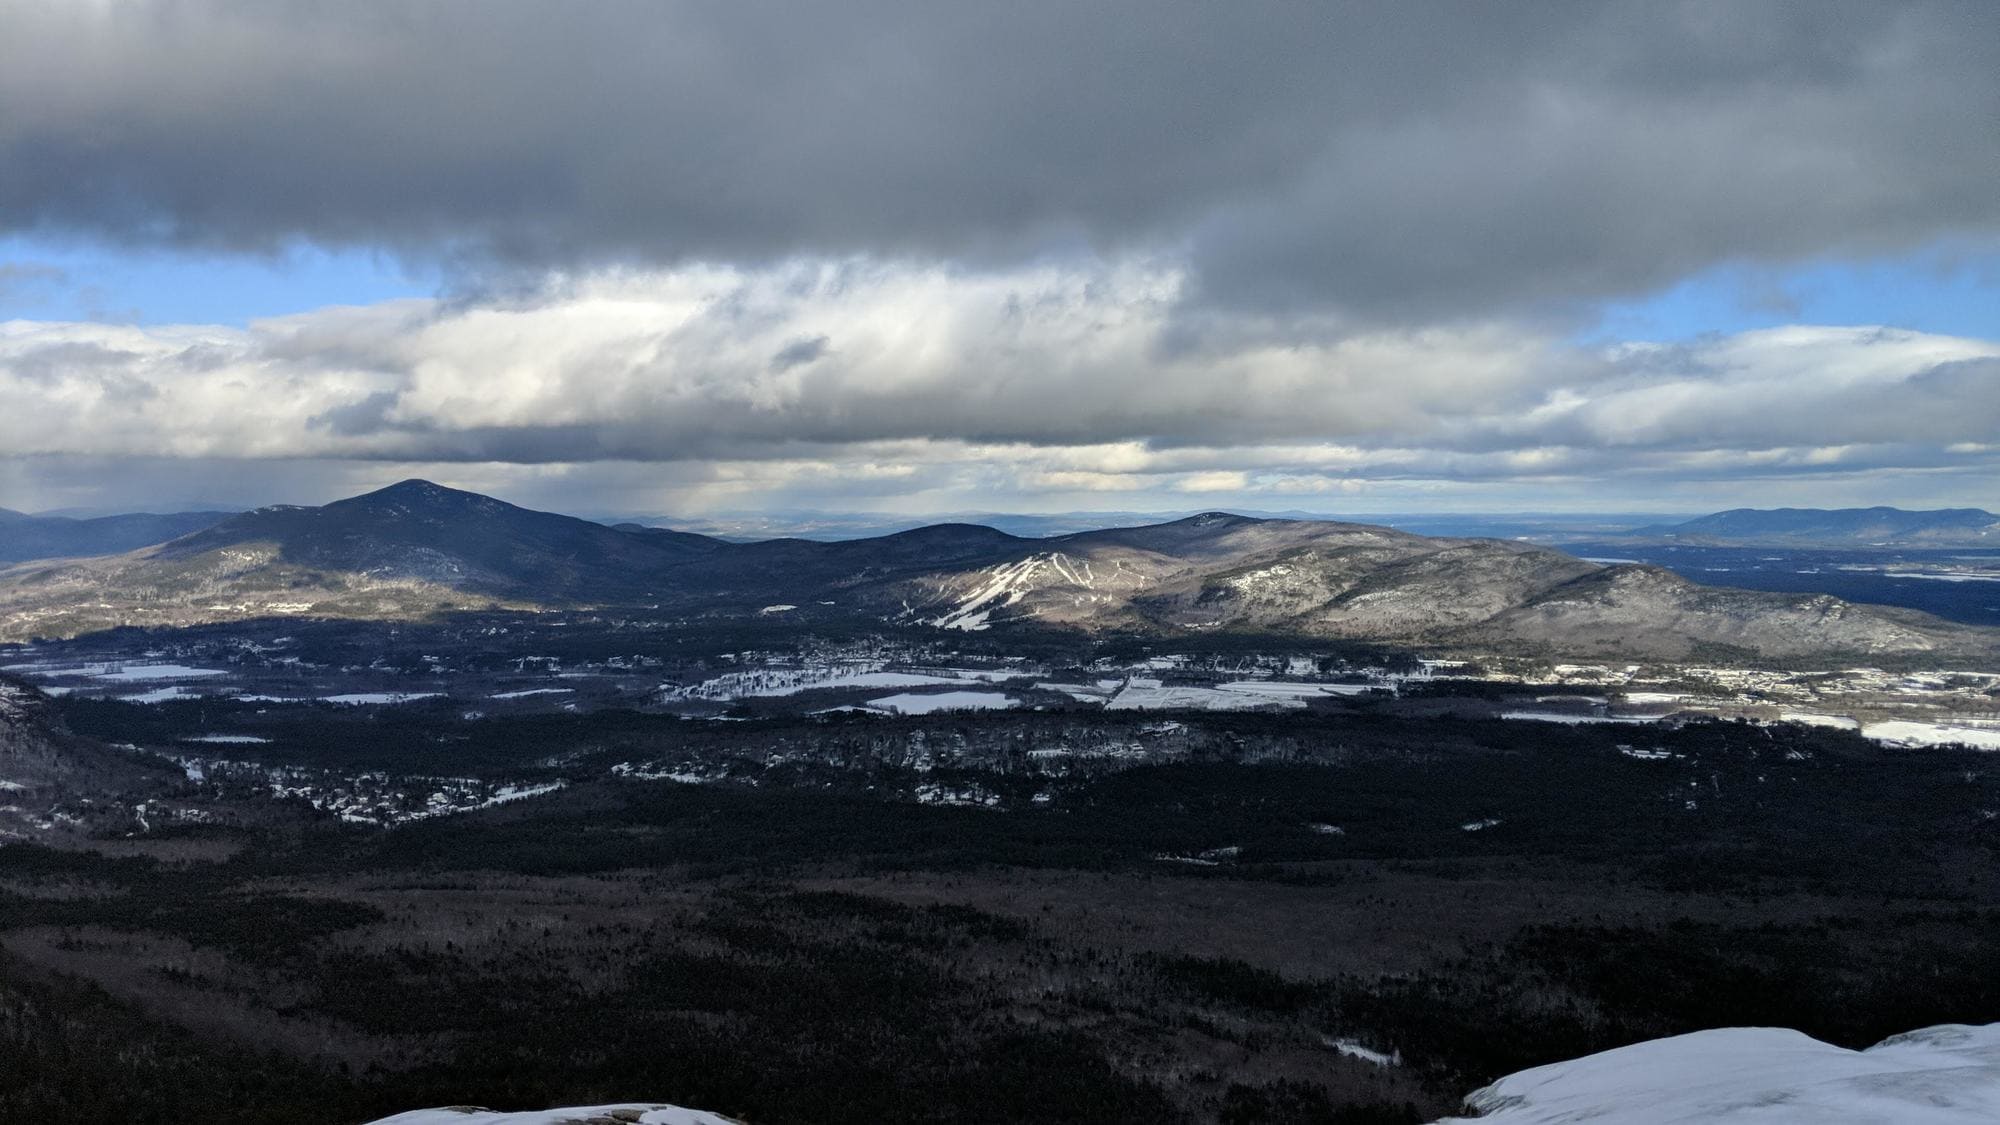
{"points": [[976, 255]]}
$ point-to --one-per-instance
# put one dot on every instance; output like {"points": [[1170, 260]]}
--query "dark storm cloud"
{"points": [[1405, 161]]}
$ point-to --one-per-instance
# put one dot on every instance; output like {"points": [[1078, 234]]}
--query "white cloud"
{"points": [[866, 384]]}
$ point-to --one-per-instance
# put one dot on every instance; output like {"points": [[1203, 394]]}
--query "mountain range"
{"points": [[1836, 527], [417, 548], [25, 537]]}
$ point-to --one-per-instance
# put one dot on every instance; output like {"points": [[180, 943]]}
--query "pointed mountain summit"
{"points": [[425, 532]]}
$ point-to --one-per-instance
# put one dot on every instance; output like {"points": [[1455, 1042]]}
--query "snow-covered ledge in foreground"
{"points": [[629, 1113], [1947, 1075]]}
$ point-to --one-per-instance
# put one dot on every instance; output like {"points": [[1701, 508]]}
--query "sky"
{"points": [[679, 258]]}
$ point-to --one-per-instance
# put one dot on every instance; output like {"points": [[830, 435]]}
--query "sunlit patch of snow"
{"points": [[1083, 693], [641, 1113], [653, 772], [1287, 690], [1480, 825], [149, 673], [770, 609], [910, 703], [1145, 694], [367, 697], [766, 682], [1906, 733], [1005, 585], [1814, 719], [533, 691], [227, 739], [1562, 717], [1353, 1049], [1948, 1075]]}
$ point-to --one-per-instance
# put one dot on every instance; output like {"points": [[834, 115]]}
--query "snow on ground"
{"points": [[1563, 717], [1354, 1049], [227, 739], [762, 682], [363, 697], [1281, 689], [534, 691], [911, 703], [639, 1113], [1142, 693], [1814, 719], [1082, 693], [1948, 1075], [1906, 733], [116, 672], [159, 695], [1010, 582], [149, 673]]}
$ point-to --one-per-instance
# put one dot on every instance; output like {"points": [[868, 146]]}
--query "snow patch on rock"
{"points": [[1947, 1075]]}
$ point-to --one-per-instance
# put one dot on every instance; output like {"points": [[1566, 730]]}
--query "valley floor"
{"points": [[542, 870]]}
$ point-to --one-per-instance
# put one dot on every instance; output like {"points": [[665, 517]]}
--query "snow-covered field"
{"points": [[775, 681], [1813, 719], [1906, 733], [136, 673], [159, 695], [153, 673], [635, 1112], [1573, 719], [911, 703], [1146, 694], [1948, 1075]]}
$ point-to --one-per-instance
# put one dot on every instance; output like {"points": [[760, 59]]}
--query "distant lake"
{"points": [[1912, 579]]}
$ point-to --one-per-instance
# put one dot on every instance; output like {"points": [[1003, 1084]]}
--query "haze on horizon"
{"points": [[910, 258]]}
